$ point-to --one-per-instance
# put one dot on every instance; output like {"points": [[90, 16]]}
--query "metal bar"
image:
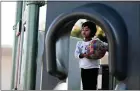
{"points": [[31, 47], [18, 17], [17, 64], [20, 48]]}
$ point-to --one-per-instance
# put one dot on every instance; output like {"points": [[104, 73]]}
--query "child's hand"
{"points": [[87, 55], [82, 55]]}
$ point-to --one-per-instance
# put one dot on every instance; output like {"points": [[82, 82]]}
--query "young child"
{"points": [[89, 67]]}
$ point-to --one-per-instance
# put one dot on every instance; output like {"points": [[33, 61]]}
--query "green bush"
{"points": [[76, 33]]}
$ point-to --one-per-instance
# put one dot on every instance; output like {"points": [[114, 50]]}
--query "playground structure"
{"points": [[42, 60]]}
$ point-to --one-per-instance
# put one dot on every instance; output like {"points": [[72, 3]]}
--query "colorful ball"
{"points": [[97, 49]]}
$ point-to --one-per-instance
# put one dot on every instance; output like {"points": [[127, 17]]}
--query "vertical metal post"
{"points": [[20, 48], [18, 17], [31, 45]]}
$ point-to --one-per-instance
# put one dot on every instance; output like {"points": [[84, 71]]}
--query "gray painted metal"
{"points": [[74, 78], [39, 60], [129, 11]]}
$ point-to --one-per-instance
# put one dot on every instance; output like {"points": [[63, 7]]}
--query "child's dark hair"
{"points": [[91, 26]]}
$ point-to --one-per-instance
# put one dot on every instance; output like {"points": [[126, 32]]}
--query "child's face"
{"points": [[85, 32]]}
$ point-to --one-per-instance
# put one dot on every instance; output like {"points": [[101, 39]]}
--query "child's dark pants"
{"points": [[89, 78]]}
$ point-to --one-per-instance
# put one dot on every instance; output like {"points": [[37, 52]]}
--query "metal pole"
{"points": [[20, 47], [18, 17], [31, 45]]}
